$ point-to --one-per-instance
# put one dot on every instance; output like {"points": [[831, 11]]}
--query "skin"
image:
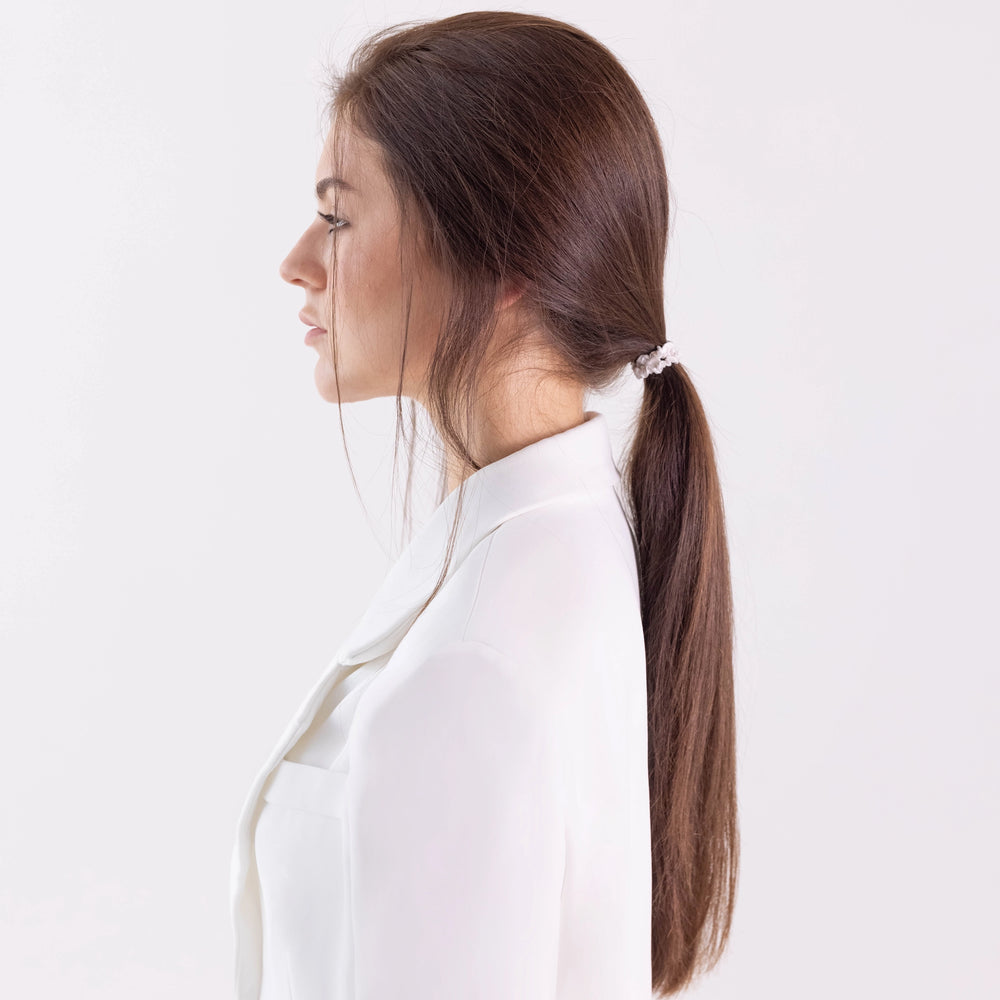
{"points": [[522, 406]]}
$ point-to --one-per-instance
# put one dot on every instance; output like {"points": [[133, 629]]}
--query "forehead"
{"points": [[349, 163]]}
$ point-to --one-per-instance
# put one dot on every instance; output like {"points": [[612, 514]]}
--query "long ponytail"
{"points": [[671, 481]]}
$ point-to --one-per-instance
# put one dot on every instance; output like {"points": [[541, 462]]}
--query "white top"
{"points": [[469, 817], [298, 844]]}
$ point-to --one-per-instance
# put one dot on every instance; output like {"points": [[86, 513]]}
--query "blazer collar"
{"points": [[574, 462]]}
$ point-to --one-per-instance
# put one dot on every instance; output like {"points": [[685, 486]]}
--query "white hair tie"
{"points": [[654, 362]]}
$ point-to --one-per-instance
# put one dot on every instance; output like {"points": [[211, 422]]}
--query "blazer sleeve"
{"points": [[456, 834]]}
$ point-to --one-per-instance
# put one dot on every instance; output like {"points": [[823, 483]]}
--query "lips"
{"points": [[309, 321]]}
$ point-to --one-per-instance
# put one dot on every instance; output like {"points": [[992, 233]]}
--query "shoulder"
{"points": [[557, 583], [534, 618]]}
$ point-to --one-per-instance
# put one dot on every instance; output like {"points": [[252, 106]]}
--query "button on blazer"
{"points": [[494, 807]]}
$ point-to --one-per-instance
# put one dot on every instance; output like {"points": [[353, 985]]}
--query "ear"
{"points": [[510, 292]]}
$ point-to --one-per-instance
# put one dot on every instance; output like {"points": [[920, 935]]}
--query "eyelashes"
{"points": [[333, 220]]}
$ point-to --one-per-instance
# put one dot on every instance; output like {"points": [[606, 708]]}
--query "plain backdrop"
{"points": [[182, 549]]}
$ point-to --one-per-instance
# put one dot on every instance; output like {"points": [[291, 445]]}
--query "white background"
{"points": [[182, 549]]}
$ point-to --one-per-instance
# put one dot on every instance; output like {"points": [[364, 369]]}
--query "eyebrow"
{"points": [[328, 182]]}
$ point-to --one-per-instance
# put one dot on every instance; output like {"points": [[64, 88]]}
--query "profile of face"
{"points": [[371, 283]]}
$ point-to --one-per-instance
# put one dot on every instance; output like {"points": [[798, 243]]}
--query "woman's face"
{"points": [[370, 295]]}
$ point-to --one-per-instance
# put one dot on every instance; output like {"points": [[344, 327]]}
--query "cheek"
{"points": [[369, 288]]}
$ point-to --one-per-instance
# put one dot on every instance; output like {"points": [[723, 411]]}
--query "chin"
{"points": [[350, 391], [327, 388]]}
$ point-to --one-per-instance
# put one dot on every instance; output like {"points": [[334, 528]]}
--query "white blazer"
{"points": [[493, 815]]}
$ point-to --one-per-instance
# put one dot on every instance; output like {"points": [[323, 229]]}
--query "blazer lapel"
{"points": [[244, 899]]}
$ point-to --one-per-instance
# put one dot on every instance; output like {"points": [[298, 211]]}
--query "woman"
{"points": [[516, 779]]}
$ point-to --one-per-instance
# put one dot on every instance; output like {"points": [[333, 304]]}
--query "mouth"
{"points": [[308, 320]]}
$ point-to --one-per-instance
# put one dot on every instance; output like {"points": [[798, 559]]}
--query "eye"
{"points": [[333, 220]]}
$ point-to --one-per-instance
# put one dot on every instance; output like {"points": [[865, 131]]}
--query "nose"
{"points": [[301, 267], [286, 273]]}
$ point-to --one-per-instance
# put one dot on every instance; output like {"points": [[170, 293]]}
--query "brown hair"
{"points": [[526, 156]]}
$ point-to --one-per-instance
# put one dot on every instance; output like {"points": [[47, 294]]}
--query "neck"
{"points": [[505, 423]]}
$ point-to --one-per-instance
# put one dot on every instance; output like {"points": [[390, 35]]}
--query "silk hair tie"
{"points": [[655, 361]]}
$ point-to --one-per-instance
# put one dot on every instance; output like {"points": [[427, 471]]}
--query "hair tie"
{"points": [[655, 361]]}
